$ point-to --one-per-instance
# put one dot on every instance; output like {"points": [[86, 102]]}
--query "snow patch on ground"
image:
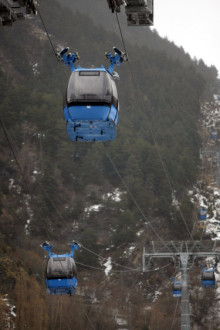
{"points": [[30, 214], [13, 186], [108, 266], [10, 312], [93, 208], [115, 195], [208, 198], [156, 295], [129, 251], [140, 232], [120, 321], [35, 69]]}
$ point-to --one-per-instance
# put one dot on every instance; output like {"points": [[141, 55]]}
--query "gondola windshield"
{"points": [[208, 275], [177, 286], [89, 87], [61, 267]]}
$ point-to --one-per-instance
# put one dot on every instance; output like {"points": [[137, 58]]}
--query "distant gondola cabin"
{"points": [[177, 289], [213, 134], [202, 212], [208, 278], [61, 272]]}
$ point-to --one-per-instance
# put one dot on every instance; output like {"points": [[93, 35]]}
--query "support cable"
{"points": [[152, 134], [12, 150], [104, 147], [103, 258], [27, 187], [20, 170], [90, 322], [48, 36], [133, 199], [174, 316], [123, 271], [52, 203]]}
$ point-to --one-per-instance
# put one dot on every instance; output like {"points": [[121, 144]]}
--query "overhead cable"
{"points": [[152, 134]]}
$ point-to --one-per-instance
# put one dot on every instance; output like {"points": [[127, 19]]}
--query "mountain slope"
{"points": [[72, 191]]}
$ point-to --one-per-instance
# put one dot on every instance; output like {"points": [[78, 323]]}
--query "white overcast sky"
{"points": [[192, 24]]}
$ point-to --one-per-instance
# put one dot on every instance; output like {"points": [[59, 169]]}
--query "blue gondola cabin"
{"points": [[61, 272], [91, 101], [202, 213], [177, 289], [213, 134], [208, 278]]}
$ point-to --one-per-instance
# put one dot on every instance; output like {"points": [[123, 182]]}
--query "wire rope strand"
{"points": [[122, 38], [123, 271], [112, 271], [20, 170], [134, 200], [104, 258], [90, 322], [174, 316], [152, 134], [25, 182], [52, 203], [57, 311], [12, 150], [48, 36]]}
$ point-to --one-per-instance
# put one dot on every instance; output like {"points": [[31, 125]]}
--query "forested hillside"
{"points": [[100, 14], [103, 196]]}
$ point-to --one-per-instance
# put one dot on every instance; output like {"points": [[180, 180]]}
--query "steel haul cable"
{"points": [[133, 199], [103, 144], [124, 271], [25, 182], [48, 36], [152, 134], [133, 77], [174, 316], [43, 190], [129, 268]]}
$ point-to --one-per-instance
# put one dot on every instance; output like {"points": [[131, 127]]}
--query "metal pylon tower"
{"points": [[183, 254]]}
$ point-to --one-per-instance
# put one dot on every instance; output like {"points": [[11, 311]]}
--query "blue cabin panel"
{"points": [[61, 286], [208, 278], [89, 113], [66, 114], [91, 131], [202, 214], [177, 293], [177, 288], [208, 283], [213, 134], [113, 114]]}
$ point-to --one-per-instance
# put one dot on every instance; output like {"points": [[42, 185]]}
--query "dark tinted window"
{"points": [[208, 276], [61, 267], [87, 87], [177, 286], [89, 73]]}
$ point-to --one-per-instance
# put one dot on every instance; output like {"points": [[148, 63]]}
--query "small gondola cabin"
{"points": [[213, 134], [61, 272], [202, 212], [208, 278], [177, 288], [91, 100]]}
